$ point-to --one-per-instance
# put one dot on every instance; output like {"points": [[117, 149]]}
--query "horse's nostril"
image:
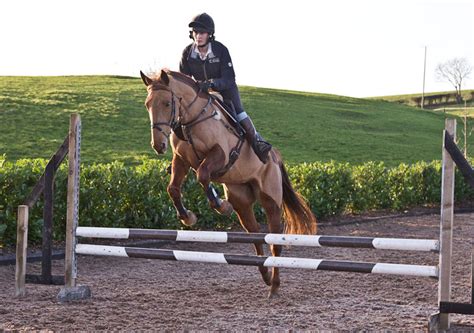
{"points": [[159, 147]]}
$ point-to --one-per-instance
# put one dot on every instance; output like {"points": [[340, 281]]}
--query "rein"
{"points": [[186, 127]]}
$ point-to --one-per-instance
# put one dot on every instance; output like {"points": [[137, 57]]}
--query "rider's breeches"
{"points": [[232, 95]]}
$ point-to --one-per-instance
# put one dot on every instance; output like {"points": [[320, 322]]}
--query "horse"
{"points": [[203, 138]]}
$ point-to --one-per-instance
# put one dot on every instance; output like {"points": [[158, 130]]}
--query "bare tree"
{"points": [[454, 71]]}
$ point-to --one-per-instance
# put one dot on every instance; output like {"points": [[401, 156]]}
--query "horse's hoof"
{"points": [[190, 220], [226, 208], [273, 294]]}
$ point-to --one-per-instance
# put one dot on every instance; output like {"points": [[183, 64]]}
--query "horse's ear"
{"points": [[164, 77], [146, 79]]}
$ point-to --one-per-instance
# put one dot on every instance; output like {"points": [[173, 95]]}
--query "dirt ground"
{"points": [[132, 294]]}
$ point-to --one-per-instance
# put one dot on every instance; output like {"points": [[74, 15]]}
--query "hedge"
{"points": [[114, 195]]}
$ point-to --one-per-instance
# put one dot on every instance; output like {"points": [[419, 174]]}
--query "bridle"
{"points": [[173, 122]]}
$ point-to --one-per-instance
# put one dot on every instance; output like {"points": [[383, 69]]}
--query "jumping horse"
{"points": [[203, 138]]}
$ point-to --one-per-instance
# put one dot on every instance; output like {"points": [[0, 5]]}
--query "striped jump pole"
{"points": [[248, 260], [261, 238]]}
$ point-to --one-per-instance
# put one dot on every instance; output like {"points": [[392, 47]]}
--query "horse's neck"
{"points": [[192, 104], [193, 108]]}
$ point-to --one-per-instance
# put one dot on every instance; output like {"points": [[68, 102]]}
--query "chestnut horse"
{"points": [[211, 146]]}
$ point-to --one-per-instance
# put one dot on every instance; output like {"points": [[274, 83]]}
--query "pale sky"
{"points": [[345, 47]]}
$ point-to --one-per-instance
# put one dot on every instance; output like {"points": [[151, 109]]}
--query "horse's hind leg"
{"points": [[273, 212], [242, 199]]}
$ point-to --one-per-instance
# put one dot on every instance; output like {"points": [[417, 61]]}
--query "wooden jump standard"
{"points": [[45, 186]]}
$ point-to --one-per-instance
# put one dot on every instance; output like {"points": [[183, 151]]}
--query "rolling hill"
{"points": [[304, 126]]}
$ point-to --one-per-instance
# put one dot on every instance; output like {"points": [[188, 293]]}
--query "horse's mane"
{"points": [[184, 78]]}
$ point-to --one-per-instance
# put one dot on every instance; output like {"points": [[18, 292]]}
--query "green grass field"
{"points": [[304, 126]]}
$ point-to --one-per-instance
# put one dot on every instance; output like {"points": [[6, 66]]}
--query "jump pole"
{"points": [[261, 238], [70, 291], [248, 260]]}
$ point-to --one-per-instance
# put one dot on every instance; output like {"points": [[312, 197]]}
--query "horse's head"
{"points": [[161, 106], [163, 103]]}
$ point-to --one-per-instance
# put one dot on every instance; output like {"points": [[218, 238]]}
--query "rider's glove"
{"points": [[206, 85]]}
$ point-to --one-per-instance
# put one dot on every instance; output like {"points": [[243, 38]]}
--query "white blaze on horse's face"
{"points": [[159, 108]]}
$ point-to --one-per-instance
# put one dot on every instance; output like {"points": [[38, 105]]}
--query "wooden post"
{"points": [[57, 159], [472, 271], [21, 246], [72, 200], [464, 119], [423, 93], [446, 226], [45, 186], [47, 248], [70, 291]]}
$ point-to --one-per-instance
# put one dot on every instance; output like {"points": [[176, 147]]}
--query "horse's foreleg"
{"points": [[179, 170], [214, 161]]}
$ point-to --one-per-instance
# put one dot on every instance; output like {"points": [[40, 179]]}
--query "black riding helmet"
{"points": [[202, 23]]}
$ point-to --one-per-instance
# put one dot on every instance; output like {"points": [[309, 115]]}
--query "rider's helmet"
{"points": [[202, 23]]}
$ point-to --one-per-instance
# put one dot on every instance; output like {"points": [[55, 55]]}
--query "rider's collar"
{"points": [[195, 52]]}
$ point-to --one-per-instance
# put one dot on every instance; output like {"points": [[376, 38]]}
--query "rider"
{"points": [[209, 62]]}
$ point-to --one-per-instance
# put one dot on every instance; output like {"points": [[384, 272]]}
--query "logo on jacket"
{"points": [[213, 60], [229, 64]]}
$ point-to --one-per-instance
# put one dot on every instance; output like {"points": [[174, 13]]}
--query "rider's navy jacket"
{"points": [[217, 66]]}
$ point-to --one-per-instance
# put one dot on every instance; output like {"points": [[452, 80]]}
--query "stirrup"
{"points": [[261, 149]]}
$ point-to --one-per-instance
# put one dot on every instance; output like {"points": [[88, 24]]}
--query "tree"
{"points": [[454, 71]]}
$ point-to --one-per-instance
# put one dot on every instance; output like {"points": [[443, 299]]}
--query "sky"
{"points": [[356, 48]]}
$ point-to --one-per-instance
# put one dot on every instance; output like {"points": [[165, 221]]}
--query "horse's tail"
{"points": [[298, 216]]}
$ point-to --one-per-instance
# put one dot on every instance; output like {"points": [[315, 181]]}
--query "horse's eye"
{"points": [[168, 104]]}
